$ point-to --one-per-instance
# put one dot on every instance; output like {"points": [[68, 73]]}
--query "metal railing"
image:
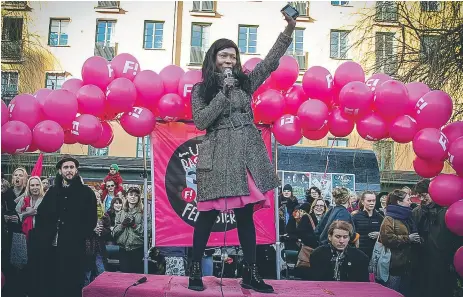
{"points": [[105, 50], [12, 50]]}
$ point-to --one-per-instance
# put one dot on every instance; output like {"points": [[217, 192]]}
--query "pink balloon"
{"points": [[267, 85], [312, 114], [250, 64], [140, 121], [91, 100], [5, 113], [26, 109], [372, 127], [125, 65], [171, 75], [269, 106], [287, 130], [376, 80], [106, 138], [355, 99], [403, 129], [121, 95], [294, 97], [446, 189], [150, 89], [454, 218], [286, 74], [416, 90], [318, 83], [171, 107], [97, 71], [427, 169], [87, 129], [347, 72], [431, 144], [433, 110], [69, 138], [339, 125], [456, 156], [453, 131], [186, 83], [16, 137], [41, 95], [48, 136], [61, 106], [73, 85], [391, 99], [316, 135], [32, 147], [458, 261]]}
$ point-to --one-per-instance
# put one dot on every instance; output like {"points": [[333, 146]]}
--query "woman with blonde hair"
{"points": [[27, 205], [18, 182]]}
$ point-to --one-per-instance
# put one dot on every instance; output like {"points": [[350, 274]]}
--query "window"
{"points": [[104, 39], [429, 46], [108, 4], [12, 29], [384, 51], [384, 151], [339, 3], [9, 85], [199, 42], [296, 48], [339, 142], [302, 7], [58, 35], [206, 6], [338, 44], [54, 81], [386, 11], [140, 147], [430, 5], [97, 152], [153, 34], [247, 40]]}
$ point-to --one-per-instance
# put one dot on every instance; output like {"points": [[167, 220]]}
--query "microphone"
{"points": [[140, 281], [228, 73]]}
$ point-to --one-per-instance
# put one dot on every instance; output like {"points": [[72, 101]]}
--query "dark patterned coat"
{"points": [[226, 153]]}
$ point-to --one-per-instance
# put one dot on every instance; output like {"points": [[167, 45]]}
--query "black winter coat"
{"points": [[365, 224], [304, 230]]}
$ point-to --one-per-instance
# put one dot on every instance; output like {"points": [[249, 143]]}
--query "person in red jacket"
{"points": [[114, 176]]}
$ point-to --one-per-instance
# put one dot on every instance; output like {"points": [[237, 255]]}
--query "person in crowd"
{"points": [[341, 198], [354, 204], [65, 219], [311, 194], [112, 249], [434, 273], [367, 223], [318, 208], [27, 206], [221, 104], [398, 232], [381, 201], [100, 211], [115, 176], [110, 194], [114, 209], [289, 201], [128, 232], [19, 181], [337, 260], [45, 184]]}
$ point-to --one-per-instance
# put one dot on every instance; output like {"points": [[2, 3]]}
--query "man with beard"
{"points": [[65, 218]]}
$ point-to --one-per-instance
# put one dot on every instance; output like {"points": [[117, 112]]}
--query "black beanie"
{"points": [[288, 187]]}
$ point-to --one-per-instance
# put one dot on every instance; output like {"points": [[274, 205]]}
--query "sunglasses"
{"points": [[111, 186]]}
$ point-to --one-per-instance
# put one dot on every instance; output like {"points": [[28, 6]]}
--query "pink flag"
{"points": [[37, 171]]}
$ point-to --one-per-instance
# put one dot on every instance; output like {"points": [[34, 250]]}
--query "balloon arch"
{"points": [[379, 107]]}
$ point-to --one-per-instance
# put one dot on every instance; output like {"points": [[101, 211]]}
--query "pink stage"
{"points": [[111, 284]]}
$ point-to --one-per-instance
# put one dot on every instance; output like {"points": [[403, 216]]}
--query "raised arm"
{"points": [[205, 114]]}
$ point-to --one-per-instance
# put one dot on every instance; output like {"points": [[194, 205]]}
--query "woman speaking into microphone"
{"points": [[233, 170]]}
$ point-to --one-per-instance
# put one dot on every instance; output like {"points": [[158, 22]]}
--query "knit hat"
{"points": [[288, 187], [115, 167]]}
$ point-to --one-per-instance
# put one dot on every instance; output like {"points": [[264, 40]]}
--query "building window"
{"points": [[54, 81], [296, 48], [339, 142], [206, 6], [339, 3], [247, 41], [338, 44], [104, 39], [199, 42], [108, 4], [153, 34], [97, 152], [58, 32], [384, 51], [428, 46], [12, 29], [9, 86], [302, 7], [430, 5], [384, 151], [140, 147], [386, 11]]}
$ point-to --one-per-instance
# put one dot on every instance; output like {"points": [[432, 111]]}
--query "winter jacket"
{"points": [[364, 224], [337, 213], [303, 230], [117, 179], [130, 237]]}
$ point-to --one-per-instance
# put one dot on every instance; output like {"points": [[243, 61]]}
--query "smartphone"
{"points": [[291, 11]]}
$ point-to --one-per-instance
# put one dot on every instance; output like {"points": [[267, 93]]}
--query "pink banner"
{"points": [[174, 147]]}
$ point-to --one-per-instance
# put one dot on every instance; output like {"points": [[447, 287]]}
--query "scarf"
{"points": [[337, 259], [28, 222], [403, 214]]}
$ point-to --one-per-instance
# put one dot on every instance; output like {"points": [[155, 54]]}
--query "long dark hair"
{"points": [[209, 87]]}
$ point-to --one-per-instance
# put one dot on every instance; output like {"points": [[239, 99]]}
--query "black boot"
{"points": [[195, 282], [252, 280]]}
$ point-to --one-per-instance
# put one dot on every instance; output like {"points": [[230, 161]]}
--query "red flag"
{"points": [[37, 171]]}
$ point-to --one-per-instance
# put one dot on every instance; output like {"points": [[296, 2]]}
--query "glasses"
{"points": [[319, 206]]}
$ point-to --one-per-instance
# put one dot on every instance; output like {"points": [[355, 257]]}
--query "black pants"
{"points": [[246, 232], [131, 261]]}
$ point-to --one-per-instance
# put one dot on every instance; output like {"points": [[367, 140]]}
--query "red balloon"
{"points": [[16, 137], [186, 83], [454, 218], [150, 89], [250, 64], [287, 130], [26, 109], [372, 127], [339, 125], [5, 113], [268, 106], [125, 65], [286, 74], [433, 110], [188, 111], [171, 107], [456, 156], [347, 72], [41, 95], [171, 76], [91, 100], [431, 144], [446, 189], [376, 80], [294, 97], [355, 99], [48, 136], [458, 261], [87, 129], [140, 121], [267, 85], [316, 135], [121, 95], [73, 85], [416, 90], [403, 129], [69, 138], [318, 83], [453, 131], [312, 114], [32, 147], [61, 106], [97, 71], [427, 169], [106, 138], [391, 99]]}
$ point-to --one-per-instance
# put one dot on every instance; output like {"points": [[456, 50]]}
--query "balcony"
{"points": [[197, 54], [12, 51], [105, 50], [108, 6], [302, 59], [15, 5]]}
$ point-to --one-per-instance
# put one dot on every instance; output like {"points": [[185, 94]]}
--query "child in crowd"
{"points": [[114, 176]]}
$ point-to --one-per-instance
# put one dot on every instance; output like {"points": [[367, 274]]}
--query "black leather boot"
{"points": [[252, 280], [195, 281]]}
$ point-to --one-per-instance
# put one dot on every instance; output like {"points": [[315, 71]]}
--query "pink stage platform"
{"points": [[111, 284]]}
